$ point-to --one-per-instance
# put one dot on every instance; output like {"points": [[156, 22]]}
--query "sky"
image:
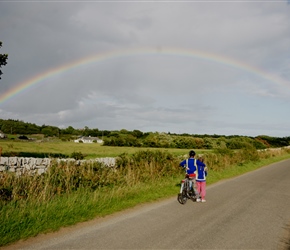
{"points": [[197, 67]]}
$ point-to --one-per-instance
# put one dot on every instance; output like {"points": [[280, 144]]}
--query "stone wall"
{"points": [[20, 165]]}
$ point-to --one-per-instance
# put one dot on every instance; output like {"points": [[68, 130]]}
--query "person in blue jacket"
{"points": [[201, 174], [191, 164]]}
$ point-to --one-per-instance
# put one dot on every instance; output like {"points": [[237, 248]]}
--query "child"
{"points": [[191, 164], [201, 174]]}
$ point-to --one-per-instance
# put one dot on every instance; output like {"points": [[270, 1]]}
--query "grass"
{"points": [[89, 150], [27, 217], [237, 170]]}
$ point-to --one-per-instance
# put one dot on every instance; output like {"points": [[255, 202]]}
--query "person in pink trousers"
{"points": [[201, 174]]}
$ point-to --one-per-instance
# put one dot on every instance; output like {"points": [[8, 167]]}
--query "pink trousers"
{"points": [[201, 188]]}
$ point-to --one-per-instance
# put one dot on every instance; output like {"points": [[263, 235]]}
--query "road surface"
{"points": [[247, 212]]}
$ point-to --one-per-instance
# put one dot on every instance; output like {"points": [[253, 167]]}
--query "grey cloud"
{"points": [[148, 91]]}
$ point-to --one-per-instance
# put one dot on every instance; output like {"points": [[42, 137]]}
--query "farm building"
{"points": [[88, 139], [2, 135]]}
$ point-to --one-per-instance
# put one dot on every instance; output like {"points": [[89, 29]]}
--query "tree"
{"points": [[137, 133], [68, 131], [3, 60]]}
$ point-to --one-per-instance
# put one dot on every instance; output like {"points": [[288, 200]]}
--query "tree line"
{"points": [[137, 138]]}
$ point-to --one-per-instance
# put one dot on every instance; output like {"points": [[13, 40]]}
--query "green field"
{"points": [[89, 150]]}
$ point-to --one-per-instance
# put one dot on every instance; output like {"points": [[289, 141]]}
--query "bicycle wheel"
{"points": [[181, 198], [192, 195], [186, 189]]}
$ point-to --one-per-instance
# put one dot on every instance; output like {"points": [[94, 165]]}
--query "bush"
{"points": [[34, 155], [223, 151], [77, 155], [23, 137], [249, 154]]}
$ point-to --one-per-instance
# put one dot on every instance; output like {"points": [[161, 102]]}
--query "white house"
{"points": [[2, 135], [88, 139]]}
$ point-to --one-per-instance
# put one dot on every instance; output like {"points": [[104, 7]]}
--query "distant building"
{"points": [[88, 139], [2, 135]]}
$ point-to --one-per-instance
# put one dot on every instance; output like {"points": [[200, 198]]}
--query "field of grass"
{"points": [[89, 150], [70, 194]]}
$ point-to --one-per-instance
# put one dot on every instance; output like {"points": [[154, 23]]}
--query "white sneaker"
{"points": [[203, 200], [198, 200]]}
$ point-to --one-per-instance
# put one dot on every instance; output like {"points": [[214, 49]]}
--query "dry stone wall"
{"points": [[21, 165]]}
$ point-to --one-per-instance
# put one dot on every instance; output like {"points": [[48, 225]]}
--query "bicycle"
{"points": [[185, 191]]}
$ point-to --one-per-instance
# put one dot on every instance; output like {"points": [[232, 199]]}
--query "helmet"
{"points": [[191, 153]]}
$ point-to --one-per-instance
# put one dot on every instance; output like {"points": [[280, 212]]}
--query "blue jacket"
{"points": [[192, 164], [201, 173]]}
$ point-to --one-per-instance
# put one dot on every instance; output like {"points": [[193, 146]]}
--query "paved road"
{"points": [[247, 212]]}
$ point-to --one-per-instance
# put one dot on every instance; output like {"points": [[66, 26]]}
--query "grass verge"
{"points": [[236, 170], [22, 219]]}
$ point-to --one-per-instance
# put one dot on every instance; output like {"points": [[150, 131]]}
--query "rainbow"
{"points": [[215, 58]]}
